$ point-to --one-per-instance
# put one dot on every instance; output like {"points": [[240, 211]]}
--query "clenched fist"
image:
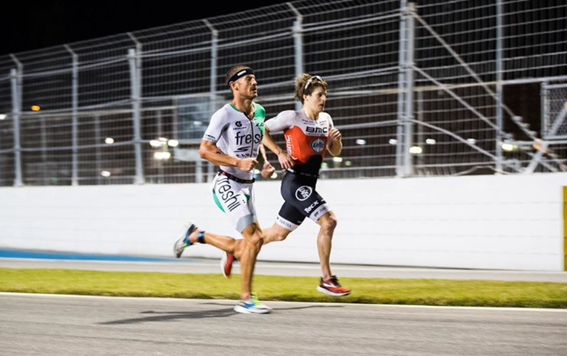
{"points": [[335, 134], [267, 170], [247, 164]]}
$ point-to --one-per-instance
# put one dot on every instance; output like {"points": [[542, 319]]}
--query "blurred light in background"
{"points": [[508, 147], [416, 150], [162, 156], [537, 145]]}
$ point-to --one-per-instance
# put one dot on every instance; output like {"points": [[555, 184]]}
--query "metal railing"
{"points": [[417, 89]]}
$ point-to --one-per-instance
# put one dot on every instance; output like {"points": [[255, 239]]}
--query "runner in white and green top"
{"points": [[232, 141], [237, 135]]}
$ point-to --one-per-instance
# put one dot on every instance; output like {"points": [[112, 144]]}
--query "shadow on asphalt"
{"points": [[152, 316]]}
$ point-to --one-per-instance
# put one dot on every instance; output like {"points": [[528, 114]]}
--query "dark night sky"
{"points": [[30, 25]]}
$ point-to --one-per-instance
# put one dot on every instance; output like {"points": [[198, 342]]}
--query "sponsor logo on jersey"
{"points": [[247, 139], [243, 143], [318, 145], [226, 194], [317, 130], [303, 193], [238, 126], [288, 144]]}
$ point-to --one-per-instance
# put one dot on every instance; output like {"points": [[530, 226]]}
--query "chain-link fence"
{"points": [[427, 88]]}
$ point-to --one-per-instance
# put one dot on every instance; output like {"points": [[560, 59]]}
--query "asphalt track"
{"points": [[73, 325], [58, 325]]}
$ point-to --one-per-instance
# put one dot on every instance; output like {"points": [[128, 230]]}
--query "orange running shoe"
{"points": [[332, 287], [226, 262]]}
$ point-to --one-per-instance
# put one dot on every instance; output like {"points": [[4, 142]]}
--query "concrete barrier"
{"points": [[511, 222]]}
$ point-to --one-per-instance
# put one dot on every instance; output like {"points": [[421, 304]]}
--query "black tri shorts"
{"points": [[301, 200]]}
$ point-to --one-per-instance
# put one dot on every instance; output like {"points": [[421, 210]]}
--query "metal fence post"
{"points": [[408, 126], [298, 46], [74, 119], [20, 68], [401, 90], [98, 140], [135, 96], [138, 60], [404, 136], [159, 133], [543, 94], [44, 159], [499, 88], [212, 101], [419, 128], [16, 110]]}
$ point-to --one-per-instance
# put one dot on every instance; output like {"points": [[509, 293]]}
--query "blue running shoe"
{"points": [[183, 241], [252, 306]]}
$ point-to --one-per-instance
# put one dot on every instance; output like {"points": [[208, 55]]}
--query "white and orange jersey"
{"points": [[306, 140]]}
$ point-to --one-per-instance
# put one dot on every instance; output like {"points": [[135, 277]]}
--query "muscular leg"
{"points": [[252, 244], [275, 232], [271, 234], [225, 243], [328, 222], [290, 216]]}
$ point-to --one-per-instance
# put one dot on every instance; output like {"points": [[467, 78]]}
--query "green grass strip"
{"points": [[439, 292]]}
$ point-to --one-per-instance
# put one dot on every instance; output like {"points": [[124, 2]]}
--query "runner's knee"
{"points": [[329, 223], [254, 236], [280, 237], [256, 241]]}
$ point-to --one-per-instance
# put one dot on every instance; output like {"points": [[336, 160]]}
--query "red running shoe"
{"points": [[332, 287], [226, 262]]}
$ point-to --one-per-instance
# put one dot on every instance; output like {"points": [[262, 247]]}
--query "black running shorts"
{"points": [[301, 201]]}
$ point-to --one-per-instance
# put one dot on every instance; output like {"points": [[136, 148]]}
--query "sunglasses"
{"points": [[311, 80]]}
